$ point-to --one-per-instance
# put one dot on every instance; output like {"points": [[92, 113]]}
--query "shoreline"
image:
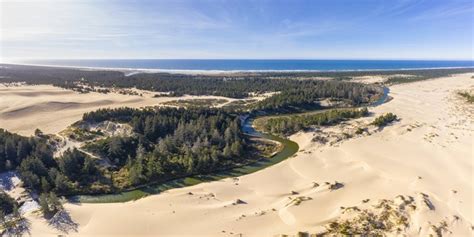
{"points": [[132, 71]]}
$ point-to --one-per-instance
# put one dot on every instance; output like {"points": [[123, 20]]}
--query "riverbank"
{"points": [[428, 151]]}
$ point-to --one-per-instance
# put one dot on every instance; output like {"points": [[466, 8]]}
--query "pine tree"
{"points": [[2, 218], [45, 186], [54, 203], [44, 205], [61, 183], [38, 133], [16, 212]]}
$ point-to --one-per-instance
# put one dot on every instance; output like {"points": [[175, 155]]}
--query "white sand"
{"points": [[52, 109], [383, 165]]}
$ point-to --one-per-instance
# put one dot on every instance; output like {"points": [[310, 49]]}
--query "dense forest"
{"points": [[307, 96], [39, 170], [15, 148], [237, 85], [169, 143], [287, 125]]}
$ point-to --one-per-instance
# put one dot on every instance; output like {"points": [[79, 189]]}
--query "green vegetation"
{"points": [[360, 130], [14, 225], [230, 85], [196, 103], [385, 119], [169, 143], [73, 172], [405, 79], [80, 134], [117, 149], [15, 148], [287, 125], [307, 97], [239, 105], [420, 75], [50, 204], [7, 204], [166, 144], [466, 95]]}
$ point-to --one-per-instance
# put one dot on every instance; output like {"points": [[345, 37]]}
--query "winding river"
{"points": [[289, 149]]}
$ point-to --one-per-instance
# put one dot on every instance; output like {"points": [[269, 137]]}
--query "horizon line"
{"points": [[205, 71], [275, 59]]}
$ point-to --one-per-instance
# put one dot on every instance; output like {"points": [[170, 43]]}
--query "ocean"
{"points": [[254, 64]]}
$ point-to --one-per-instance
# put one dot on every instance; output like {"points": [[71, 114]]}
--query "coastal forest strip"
{"points": [[233, 85]]}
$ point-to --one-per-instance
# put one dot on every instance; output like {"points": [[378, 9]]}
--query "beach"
{"points": [[426, 155]]}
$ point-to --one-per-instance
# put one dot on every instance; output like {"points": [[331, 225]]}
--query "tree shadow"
{"points": [[63, 222], [18, 228], [6, 180]]}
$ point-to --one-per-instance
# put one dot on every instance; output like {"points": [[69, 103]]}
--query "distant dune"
{"points": [[53, 106], [27, 107]]}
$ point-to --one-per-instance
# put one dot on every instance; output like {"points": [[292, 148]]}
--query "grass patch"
{"points": [[467, 96]]}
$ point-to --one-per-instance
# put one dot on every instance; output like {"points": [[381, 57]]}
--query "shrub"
{"points": [[385, 119]]}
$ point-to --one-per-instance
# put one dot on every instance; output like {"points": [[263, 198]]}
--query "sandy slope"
{"points": [[434, 157], [52, 109]]}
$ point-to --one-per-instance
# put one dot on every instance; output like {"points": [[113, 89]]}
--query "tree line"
{"points": [[287, 125], [309, 95], [67, 76], [229, 85]]}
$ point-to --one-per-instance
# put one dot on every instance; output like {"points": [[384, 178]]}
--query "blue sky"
{"points": [[319, 29]]}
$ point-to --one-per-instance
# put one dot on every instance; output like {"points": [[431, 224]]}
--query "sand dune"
{"points": [[53, 106], [426, 156], [24, 108]]}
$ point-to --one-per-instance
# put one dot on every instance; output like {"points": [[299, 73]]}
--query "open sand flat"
{"points": [[51, 109], [427, 155]]}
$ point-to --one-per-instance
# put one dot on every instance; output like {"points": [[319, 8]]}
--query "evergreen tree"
{"points": [[45, 186]]}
